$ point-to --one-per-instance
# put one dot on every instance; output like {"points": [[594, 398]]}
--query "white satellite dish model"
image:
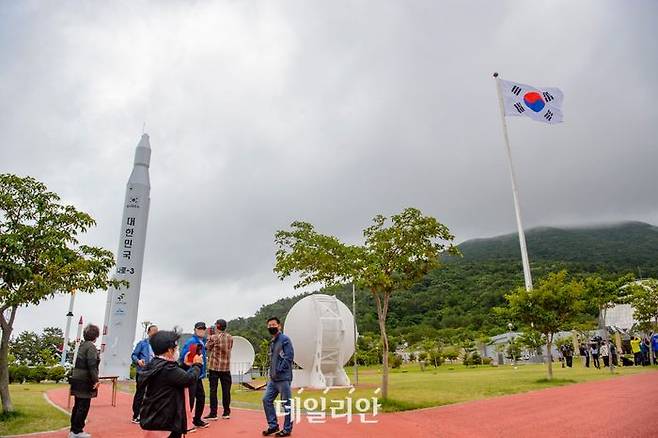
{"points": [[242, 359], [321, 328]]}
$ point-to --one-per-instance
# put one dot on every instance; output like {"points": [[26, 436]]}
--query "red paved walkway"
{"points": [[620, 407]]}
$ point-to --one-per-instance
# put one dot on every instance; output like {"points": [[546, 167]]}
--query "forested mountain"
{"points": [[455, 300]]}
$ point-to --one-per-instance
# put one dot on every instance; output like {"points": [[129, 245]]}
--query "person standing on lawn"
{"points": [[219, 347], [142, 355], [604, 352], [636, 350], [594, 350]]}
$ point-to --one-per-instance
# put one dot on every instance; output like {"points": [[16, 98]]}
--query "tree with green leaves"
{"points": [[604, 294], [397, 253], [513, 350], [432, 350], [30, 348], [644, 299], [40, 256], [555, 304], [531, 340]]}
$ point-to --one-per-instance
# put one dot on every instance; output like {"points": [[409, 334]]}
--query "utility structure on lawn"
{"points": [[322, 330]]}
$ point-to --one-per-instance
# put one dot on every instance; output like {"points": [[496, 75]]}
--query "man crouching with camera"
{"points": [[165, 382]]}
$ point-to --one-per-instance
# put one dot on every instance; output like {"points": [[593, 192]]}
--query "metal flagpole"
{"points": [[356, 366], [524, 251]]}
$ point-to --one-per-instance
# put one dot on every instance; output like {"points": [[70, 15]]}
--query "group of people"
{"points": [[641, 350], [167, 375], [214, 353], [599, 349]]}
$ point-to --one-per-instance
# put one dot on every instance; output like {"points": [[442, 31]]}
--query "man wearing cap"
{"points": [[196, 345], [219, 348]]}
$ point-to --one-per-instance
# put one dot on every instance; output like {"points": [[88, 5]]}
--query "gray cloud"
{"points": [[264, 113]]}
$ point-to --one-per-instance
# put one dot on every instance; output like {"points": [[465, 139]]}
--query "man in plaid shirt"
{"points": [[219, 347]]}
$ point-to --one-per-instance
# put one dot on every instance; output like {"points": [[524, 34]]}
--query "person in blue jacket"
{"points": [[654, 345], [142, 355], [197, 392], [281, 355]]}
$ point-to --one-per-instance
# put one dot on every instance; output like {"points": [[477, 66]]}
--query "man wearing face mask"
{"points": [[164, 384], [281, 355], [197, 393]]}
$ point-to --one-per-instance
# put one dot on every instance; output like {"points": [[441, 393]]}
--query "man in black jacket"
{"points": [[164, 407]]}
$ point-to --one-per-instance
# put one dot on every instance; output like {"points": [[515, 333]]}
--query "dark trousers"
{"points": [[606, 361], [569, 360], [587, 361], [595, 359], [175, 435], [637, 358], [214, 378], [139, 397], [197, 399], [79, 414]]}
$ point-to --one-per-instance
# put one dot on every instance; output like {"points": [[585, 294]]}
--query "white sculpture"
{"points": [[321, 328]]}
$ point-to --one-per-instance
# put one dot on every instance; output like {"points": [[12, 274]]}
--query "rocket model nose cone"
{"points": [[143, 151], [144, 142]]}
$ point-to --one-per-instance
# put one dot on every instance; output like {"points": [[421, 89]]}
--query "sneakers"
{"points": [[135, 420], [226, 416], [270, 431], [200, 424], [79, 435], [283, 433], [211, 417]]}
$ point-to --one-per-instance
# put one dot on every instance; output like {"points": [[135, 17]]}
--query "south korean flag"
{"points": [[540, 104]]}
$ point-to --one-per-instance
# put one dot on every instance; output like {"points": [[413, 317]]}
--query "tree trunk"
{"points": [[7, 327], [382, 308], [549, 353]]}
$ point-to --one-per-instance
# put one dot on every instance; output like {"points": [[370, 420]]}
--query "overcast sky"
{"points": [[261, 113]]}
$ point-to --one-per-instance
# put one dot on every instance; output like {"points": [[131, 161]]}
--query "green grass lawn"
{"points": [[410, 388], [33, 412]]}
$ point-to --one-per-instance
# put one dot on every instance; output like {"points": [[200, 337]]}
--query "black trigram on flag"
{"points": [[547, 96], [549, 115], [519, 107], [516, 89]]}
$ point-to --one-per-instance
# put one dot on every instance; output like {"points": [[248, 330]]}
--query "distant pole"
{"points": [[524, 251], [510, 326], [78, 339], [67, 331], [356, 366]]}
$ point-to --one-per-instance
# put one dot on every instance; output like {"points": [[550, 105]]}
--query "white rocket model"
{"points": [[122, 304], [78, 341]]}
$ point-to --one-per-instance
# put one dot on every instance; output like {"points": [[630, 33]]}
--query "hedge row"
{"points": [[24, 373]]}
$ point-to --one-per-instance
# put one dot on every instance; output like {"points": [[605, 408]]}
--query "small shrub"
{"points": [[18, 373], [38, 374], [473, 359], [395, 361], [487, 361], [56, 373]]}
